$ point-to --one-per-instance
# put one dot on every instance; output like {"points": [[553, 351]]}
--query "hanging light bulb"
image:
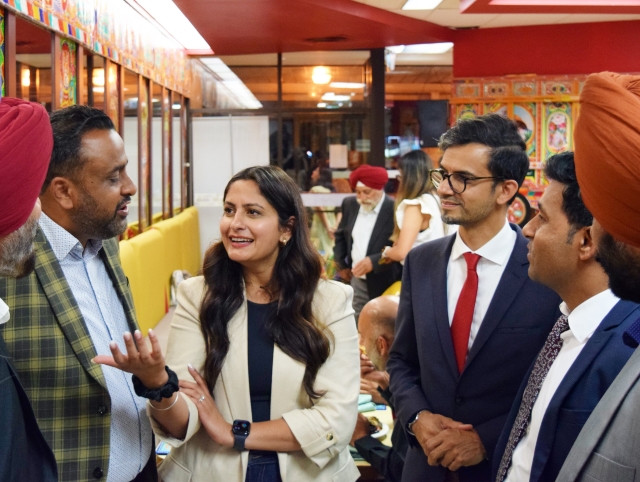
{"points": [[321, 75], [26, 78]]}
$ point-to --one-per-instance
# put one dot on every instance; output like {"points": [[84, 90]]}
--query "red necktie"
{"points": [[463, 316]]}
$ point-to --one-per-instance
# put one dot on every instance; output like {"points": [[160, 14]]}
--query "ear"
{"points": [[63, 191], [288, 227], [508, 189], [587, 246], [383, 346]]}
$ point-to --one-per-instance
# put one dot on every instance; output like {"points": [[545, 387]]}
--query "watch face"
{"points": [[241, 427]]}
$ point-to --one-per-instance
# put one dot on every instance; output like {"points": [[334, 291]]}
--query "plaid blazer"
{"points": [[51, 349]]}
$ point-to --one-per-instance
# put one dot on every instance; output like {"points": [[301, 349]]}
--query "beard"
{"points": [[17, 258], [368, 206], [622, 264], [90, 221], [468, 217]]}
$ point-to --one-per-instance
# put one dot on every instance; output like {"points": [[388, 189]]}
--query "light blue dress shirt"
{"points": [[104, 315]]}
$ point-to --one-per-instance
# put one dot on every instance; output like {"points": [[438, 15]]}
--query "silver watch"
{"points": [[415, 419]]}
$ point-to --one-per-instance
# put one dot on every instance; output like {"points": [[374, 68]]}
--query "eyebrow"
{"points": [[119, 167], [248, 205]]}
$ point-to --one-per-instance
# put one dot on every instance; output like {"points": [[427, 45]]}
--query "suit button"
{"points": [[459, 401], [329, 437], [97, 473], [102, 410]]}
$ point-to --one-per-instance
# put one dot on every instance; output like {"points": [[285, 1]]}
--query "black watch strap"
{"points": [[238, 441]]}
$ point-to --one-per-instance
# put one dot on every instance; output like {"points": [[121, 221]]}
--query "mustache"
{"points": [[123, 203]]}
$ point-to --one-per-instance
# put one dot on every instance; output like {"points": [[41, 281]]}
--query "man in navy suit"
{"points": [[551, 409], [470, 320]]}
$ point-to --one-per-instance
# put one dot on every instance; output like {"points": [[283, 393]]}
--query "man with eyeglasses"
{"points": [[470, 321]]}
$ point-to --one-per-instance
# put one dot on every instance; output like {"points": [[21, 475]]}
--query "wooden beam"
{"points": [[10, 70]]}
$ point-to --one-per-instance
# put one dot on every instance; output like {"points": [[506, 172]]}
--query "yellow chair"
{"points": [[393, 290], [191, 260], [131, 270], [152, 303], [171, 230]]}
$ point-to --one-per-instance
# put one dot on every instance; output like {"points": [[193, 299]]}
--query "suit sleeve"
{"points": [[382, 458], [340, 247], [325, 429], [404, 363]]}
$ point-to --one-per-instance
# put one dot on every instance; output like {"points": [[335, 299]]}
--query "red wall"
{"points": [[548, 49]]}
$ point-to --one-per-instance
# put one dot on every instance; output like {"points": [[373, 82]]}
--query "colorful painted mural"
{"points": [[113, 97], [113, 29], [68, 73], [557, 127]]}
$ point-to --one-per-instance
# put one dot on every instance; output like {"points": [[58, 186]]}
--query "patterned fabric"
{"points": [[631, 337], [541, 367], [104, 316], [52, 350], [463, 316]]}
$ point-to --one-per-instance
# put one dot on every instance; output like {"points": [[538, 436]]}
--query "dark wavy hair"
{"points": [[295, 277]]}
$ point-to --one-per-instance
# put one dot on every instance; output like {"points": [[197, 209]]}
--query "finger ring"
{"points": [[201, 399]]}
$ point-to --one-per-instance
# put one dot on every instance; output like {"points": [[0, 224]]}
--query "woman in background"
{"points": [[276, 343], [418, 215]]}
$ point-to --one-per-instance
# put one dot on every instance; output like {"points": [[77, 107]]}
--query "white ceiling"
{"points": [[448, 14]]}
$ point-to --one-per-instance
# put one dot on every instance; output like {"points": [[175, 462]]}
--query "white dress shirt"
{"points": [[495, 255], [583, 322], [103, 313], [361, 234], [4, 312]]}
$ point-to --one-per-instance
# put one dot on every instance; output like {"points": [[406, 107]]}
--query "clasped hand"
{"points": [[149, 367], [447, 442]]}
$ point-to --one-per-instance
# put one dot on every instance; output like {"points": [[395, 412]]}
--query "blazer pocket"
{"points": [[573, 417], [602, 469], [517, 330], [348, 473], [172, 471]]}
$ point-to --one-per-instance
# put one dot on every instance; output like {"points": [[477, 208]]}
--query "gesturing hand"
{"points": [[147, 365], [210, 418]]}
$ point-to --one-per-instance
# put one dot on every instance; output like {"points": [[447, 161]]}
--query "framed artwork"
{"points": [[144, 154], [524, 115], [557, 128], [496, 108], [68, 72]]}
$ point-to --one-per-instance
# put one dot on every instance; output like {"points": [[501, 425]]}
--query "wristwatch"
{"points": [[410, 424], [240, 430]]}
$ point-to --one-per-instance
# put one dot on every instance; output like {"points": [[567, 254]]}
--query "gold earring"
{"points": [[284, 242]]}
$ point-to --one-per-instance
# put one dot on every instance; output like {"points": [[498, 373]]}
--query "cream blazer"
{"points": [[323, 428]]}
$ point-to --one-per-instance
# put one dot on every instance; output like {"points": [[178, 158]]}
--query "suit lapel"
{"points": [[593, 347], [110, 257], [64, 306], [514, 276], [437, 286], [235, 370], [382, 220]]}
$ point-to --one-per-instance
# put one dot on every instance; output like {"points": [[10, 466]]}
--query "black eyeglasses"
{"points": [[457, 181]]}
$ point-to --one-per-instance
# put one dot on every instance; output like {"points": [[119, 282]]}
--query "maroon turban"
{"points": [[371, 176], [26, 142], [607, 153]]}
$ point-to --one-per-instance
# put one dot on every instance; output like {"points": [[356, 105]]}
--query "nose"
{"points": [[237, 222], [529, 230], [444, 189], [128, 187]]}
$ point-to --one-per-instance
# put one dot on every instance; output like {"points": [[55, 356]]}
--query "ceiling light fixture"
{"points": [[347, 85], [321, 75], [421, 4], [331, 96], [435, 48], [322, 104], [97, 77], [171, 19]]}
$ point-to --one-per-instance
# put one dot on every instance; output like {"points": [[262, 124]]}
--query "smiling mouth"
{"points": [[236, 240]]}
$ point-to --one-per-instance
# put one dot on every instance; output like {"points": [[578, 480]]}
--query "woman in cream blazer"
{"points": [[260, 309], [323, 429]]}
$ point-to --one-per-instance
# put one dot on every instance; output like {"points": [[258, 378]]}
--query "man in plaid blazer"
{"points": [[75, 303]]}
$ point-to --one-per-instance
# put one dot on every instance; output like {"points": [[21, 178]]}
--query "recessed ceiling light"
{"points": [[322, 104], [421, 4], [347, 85], [331, 96], [436, 48]]}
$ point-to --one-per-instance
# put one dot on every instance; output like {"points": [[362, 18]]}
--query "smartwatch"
{"points": [[240, 430]]}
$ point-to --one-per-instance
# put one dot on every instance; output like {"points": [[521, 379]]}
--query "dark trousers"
{"points": [[263, 467], [150, 471]]}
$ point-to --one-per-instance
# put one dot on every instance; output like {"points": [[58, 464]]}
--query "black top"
{"points": [[260, 359]]}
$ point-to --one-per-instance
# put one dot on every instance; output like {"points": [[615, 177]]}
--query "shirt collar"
{"points": [[64, 243], [586, 317], [4, 312], [497, 250], [375, 210]]}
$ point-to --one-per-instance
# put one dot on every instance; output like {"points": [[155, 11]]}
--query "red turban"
{"points": [[607, 153], [370, 176], [26, 142]]}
